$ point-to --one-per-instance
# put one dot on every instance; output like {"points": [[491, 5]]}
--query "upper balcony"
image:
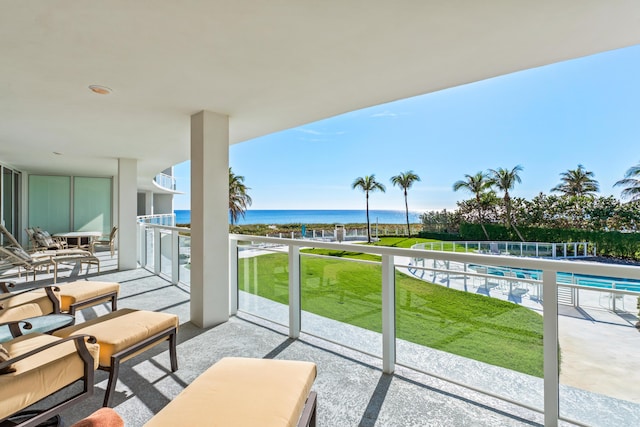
{"points": [[165, 181]]}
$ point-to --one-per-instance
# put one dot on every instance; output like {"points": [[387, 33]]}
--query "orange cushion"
{"points": [[242, 392], [41, 374], [19, 307], [121, 330], [71, 293]]}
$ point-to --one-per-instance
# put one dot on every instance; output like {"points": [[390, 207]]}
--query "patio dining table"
{"points": [[78, 236]]}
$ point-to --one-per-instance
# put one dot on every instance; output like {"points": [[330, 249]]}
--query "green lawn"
{"points": [[405, 242], [467, 324]]}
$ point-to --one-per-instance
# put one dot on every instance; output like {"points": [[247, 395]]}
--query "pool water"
{"points": [[577, 279]]}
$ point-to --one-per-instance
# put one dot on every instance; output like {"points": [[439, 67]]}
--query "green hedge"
{"points": [[608, 243]]}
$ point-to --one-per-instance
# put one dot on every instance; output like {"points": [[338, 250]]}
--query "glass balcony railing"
{"points": [[557, 337], [165, 181], [158, 219]]}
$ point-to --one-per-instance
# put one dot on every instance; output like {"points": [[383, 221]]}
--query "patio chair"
{"points": [[107, 241], [14, 255], [517, 289], [37, 366], [41, 240]]}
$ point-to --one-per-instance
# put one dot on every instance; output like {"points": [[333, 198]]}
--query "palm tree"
{"points": [[505, 180], [631, 182], [577, 182], [368, 184], [405, 180], [239, 200], [478, 185]]}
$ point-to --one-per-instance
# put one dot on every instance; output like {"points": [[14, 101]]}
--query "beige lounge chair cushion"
{"points": [[121, 330], [40, 375], [19, 307], [4, 356], [71, 293], [242, 392]]}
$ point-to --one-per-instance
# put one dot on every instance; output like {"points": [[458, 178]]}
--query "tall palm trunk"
{"points": [[507, 207], [481, 217], [406, 210], [368, 226], [518, 233]]}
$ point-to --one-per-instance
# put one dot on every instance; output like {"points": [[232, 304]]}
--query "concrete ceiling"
{"points": [[269, 65]]}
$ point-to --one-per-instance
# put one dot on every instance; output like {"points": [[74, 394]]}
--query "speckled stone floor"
{"points": [[352, 390]]}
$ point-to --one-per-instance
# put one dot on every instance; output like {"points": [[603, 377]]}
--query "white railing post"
{"points": [[157, 250], [550, 345], [388, 315], [175, 257], [553, 250], [537, 249], [585, 248], [564, 250], [142, 239], [294, 292], [465, 277], [233, 276], [613, 297]]}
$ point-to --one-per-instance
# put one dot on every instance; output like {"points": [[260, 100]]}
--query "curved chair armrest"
{"points": [[79, 342], [14, 327], [49, 290], [5, 285]]}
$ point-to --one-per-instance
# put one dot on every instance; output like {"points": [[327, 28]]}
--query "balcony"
{"points": [[576, 304], [165, 181], [429, 386]]}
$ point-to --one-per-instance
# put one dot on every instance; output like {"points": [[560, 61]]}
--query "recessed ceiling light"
{"points": [[101, 90]]}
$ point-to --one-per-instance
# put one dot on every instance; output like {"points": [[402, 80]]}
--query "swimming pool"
{"points": [[600, 282]]}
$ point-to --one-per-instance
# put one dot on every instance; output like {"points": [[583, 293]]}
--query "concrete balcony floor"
{"points": [[352, 390]]}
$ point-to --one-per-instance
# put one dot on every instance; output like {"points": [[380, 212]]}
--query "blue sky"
{"points": [[549, 119]]}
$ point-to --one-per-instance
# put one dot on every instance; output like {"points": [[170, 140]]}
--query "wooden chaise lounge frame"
{"points": [[16, 256]]}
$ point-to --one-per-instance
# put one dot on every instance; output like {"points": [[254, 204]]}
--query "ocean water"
{"points": [[254, 216]]}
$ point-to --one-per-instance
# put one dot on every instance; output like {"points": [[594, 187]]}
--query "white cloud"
{"points": [[387, 113], [309, 131]]}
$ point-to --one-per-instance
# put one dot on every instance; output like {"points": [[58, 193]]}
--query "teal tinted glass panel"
{"points": [[50, 202], [92, 204]]}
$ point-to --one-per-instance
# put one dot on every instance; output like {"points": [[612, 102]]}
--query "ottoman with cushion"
{"points": [[124, 334], [243, 392], [68, 297], [81, 294]]}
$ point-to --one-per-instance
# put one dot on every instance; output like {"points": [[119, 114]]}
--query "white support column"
{"points": [[388, 315], [148, 202], [233, 276], [550, 345], [209, 219], [295, 310], [127, 211]]}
